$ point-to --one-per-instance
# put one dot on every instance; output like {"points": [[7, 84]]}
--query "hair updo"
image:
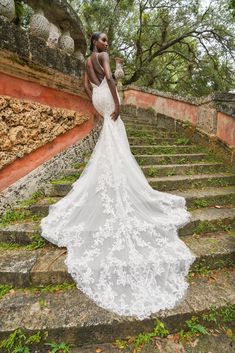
{"points": [[95, 36]]}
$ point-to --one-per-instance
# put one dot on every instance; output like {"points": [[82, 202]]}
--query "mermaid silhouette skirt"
{"points": [[123, 249]]}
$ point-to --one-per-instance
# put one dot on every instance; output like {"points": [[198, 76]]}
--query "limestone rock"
{"points": [[26, 126], [18, 135]]}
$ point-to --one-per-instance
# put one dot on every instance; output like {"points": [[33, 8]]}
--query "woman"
{"points": [[123, 250], [97, 68]]}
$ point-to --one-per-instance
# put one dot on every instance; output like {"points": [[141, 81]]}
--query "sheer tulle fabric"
{"points": [[123, 250]]}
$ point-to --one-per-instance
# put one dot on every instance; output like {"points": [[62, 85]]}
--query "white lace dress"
{"points": [[123, 250]]}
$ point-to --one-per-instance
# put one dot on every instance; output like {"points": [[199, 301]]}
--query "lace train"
{"points": [[123, 249]]}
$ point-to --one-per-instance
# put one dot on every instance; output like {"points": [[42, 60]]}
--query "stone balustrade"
{"points": [[53, 21]]}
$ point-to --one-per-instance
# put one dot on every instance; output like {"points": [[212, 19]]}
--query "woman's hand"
{"points": [[116, 113]]}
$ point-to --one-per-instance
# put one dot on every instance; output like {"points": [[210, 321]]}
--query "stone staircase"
{"points": [[40, 294]]}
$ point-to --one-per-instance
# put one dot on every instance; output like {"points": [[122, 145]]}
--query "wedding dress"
{"points": [[123, 250]]}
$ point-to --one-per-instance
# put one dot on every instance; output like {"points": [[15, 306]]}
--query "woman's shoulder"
{"points": [[103, 56]]}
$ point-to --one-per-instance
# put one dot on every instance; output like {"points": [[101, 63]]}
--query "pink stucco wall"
{"points": [[24, 89], [226, 128], [168, 106], [204, 116]]}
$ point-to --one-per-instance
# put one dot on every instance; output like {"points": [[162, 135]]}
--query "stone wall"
{"points": [[212, 142], [26, 126], [38, 177], [209, 114], [43, 106]]}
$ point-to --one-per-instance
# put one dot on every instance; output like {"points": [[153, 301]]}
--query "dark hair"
{"points": [[95, 36]]}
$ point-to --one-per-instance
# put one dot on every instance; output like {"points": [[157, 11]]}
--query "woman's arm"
{"points": [[89, 92], [87, 85], [110, 81]]}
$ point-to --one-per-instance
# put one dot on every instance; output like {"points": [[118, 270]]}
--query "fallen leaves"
{"points": [[98, 350]]}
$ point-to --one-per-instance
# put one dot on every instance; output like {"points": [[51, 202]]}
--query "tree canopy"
{"points": [[186, 47]]}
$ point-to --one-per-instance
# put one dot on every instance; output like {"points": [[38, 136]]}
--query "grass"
{"points": [[152, 171], [199, 269], [220, 316], [225, 200], [79, 165], [192, 328], [183, 141], [10, 246], [21, 342], [68, 179], [143, 338], [4, 289], [37, 242], [207, 226], [34, 198], [12, 216], [200, 203], [50, 288], [161, 149]]}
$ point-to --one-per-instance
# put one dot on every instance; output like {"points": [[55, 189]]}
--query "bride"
{"points": [[123, 249]]}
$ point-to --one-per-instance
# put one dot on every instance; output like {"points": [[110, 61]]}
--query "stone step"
{"points": [[145, 125], [72, 315], [41, 267], [182, 158], [165, 149], [42, 206], [167, 169], [151, 132], [182, 169], [194, 197], [152, 140], [168, 183], [19, 233], [132, 120], [209, 220], [208, 196], [182, 182], [202, 220], [142, 126]]}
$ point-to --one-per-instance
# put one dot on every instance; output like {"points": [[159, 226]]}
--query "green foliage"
{"points": [[194, 328], [121, 344], [159, 330], [23, 14], [9, 246], [207, 226], [186, 48], [220, 316], [172, 172], [34, 198], [59, 347], [19, 8], [56, 287], [18, 342], [12, 215], [37, 242], [151, 110], [200, 203], [21, 342], [182, 141], [68, 179], [200, 270], [4, 289], [152, 171]]}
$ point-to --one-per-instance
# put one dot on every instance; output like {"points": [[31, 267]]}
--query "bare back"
{"points": [[94, 69]]}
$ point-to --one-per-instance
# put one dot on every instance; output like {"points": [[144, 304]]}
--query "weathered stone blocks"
{"points": [[25, 126]]}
